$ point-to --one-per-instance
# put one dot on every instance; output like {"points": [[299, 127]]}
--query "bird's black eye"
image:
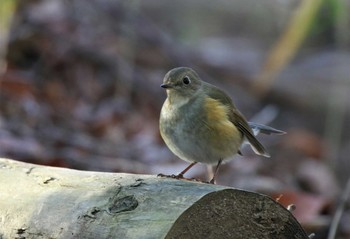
{"points": [[186, 80]]}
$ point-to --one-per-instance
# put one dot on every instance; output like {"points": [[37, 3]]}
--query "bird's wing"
{"points": [[236, 118], [240, 122]]}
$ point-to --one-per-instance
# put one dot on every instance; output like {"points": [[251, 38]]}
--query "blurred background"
{"points": [[79, 88]]}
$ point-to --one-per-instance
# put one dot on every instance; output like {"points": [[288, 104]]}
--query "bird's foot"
{"points": [[179, 176]]}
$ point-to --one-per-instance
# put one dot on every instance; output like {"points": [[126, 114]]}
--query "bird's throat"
{"points": [[176, 100]]}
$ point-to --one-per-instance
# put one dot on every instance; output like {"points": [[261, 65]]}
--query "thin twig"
{"points": [[339, 212]]}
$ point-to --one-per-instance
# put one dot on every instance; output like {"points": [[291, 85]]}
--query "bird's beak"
{"points": [[166, 86]]}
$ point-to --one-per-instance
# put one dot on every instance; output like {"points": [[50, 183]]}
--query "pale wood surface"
{"points": [[47, 202]]}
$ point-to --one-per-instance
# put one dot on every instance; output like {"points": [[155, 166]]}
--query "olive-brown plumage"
{"points": [[200, 123]]}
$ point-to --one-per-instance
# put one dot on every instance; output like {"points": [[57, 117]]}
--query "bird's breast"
{"points": [[199, 130]]}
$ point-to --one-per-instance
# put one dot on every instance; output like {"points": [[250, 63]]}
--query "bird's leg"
{"points": [[212, 181], [180, 175]]}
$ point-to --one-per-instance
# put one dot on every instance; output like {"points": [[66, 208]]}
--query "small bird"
{"points": [[199, 122]]}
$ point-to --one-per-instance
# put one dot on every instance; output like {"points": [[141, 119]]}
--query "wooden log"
{"points": [[47, 202]]}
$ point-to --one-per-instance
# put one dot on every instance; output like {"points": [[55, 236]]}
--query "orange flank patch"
{"points": [[223, 133]]}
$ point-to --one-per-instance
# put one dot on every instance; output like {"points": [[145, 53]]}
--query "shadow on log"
{"points": [[47, 202]]}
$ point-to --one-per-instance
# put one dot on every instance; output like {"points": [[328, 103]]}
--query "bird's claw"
{"points": [[179, 176]]}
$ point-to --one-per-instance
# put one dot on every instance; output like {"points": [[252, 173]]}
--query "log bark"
{"points": [[47, 202]]}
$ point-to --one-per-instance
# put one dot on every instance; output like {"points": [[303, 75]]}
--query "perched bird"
{"points": [[200, 123]]}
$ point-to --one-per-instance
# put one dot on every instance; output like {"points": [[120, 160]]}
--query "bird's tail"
{"points": [[254, 143], [264, 129]]}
